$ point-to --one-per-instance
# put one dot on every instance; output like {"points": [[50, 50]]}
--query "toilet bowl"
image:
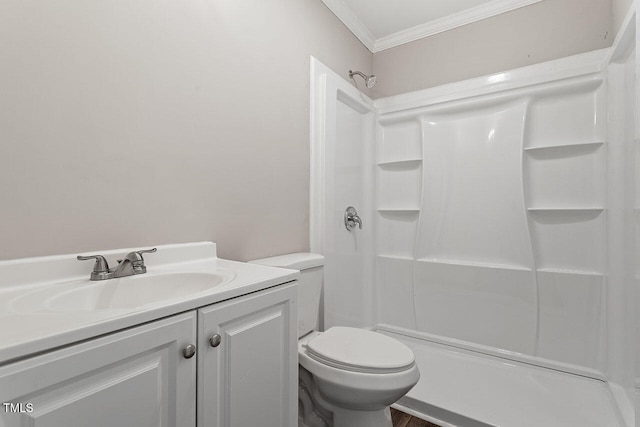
{"points": [[350, 373], [359, 373]]}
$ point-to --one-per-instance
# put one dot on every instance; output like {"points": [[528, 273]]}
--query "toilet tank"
{"points": [[309, 285]]}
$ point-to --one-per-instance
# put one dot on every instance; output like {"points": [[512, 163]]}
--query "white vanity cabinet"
{"points": [[140, 377], [248, 361], [136, 378]]}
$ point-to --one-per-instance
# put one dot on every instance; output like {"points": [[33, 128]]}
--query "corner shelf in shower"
{"points": [[409, 210], [399, 184], [396, 232], [570, 271], [566, 210], [564, 147], [480, 264], [400, 164], [395, 257]]}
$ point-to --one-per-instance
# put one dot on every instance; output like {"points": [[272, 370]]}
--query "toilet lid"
{"points": [[360, 350]]}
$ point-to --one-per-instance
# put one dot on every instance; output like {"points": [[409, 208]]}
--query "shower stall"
{"points": [[499, 237]]}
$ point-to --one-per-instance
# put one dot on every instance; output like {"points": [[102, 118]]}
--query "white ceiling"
{"points": [[382, 24]]}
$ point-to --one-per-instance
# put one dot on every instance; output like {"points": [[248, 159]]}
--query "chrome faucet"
{"points": [[351, 218], [131, 264]]}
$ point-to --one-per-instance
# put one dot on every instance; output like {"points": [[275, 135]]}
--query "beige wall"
{"points": [[129, 123], [540, 32]]}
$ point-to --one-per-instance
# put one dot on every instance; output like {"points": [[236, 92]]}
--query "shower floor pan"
{"points": [[466, 389]]}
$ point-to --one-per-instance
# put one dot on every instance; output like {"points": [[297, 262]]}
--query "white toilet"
{"points": [[348, 376]]}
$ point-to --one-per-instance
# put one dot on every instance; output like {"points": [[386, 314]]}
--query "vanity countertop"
{"points": [[27, 286]]}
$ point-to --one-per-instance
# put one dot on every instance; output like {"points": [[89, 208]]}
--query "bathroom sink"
{"points": [[135, 291], [113, 294]]}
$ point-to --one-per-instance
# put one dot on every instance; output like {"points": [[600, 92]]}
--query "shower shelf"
{"points": [[481, 264], [550, 148], [400, 163], [396, 257], [568, 271], [565, 210], [391, 210]]}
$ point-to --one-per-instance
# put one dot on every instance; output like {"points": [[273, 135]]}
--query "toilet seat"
{"points": [[348, 385], [360, 350]]}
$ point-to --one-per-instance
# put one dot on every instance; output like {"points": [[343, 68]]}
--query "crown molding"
{"points": [[478, 13], [353, 23]]}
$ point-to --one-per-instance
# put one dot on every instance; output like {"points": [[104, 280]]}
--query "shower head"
{"points": [[369, 81]]}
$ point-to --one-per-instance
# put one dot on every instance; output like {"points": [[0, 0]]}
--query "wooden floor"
{"points": [[400, 419]]}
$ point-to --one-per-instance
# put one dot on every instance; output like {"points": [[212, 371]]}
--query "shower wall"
{"points": [[342, 127], [494, 204]]}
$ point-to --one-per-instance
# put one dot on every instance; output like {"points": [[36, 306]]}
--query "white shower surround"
{"points": [[496, 216], [507, 202]]}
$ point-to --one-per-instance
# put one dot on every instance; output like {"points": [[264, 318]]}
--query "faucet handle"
{"points": [[135, 258], [100, 268], [351, 218], [147, 251], [137, 255], [137, 261], [101, 264]]}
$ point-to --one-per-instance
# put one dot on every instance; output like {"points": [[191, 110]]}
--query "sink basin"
{"points": [[134, 291], [123, 293]]}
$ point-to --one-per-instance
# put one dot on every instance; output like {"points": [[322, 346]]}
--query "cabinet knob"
{"points": [[189, 351], [215, 340]]}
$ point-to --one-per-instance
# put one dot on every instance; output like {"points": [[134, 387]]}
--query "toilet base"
{"points": [[334, 397], [315, 411], [351, 418]]}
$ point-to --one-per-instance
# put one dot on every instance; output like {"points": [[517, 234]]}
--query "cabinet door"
{"points": [[134, 378], [251, 377]]}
